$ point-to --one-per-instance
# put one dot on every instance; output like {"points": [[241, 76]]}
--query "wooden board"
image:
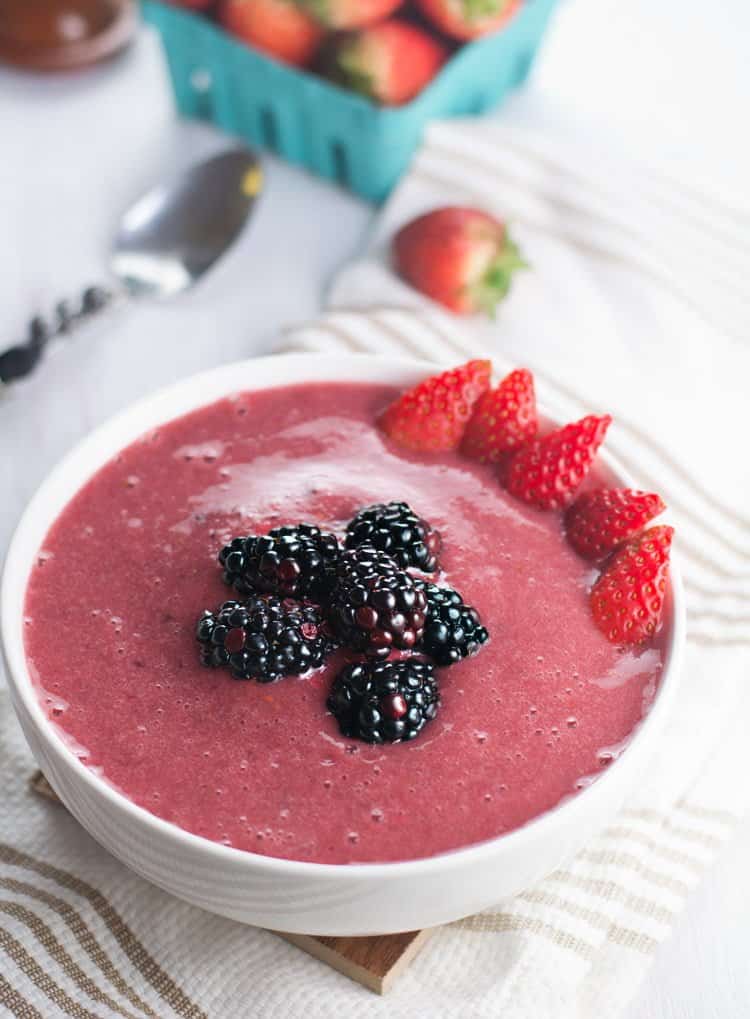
{"points": [[374, 962], [41, 786]]}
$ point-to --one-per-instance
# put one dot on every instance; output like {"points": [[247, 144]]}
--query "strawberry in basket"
{"points": [[336, 15], [280, 28], [468, 19], [390, 62]]}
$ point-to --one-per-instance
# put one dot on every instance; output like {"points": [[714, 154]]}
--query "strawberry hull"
{"points": [[390, 62], [458, 19], [309, 121]]}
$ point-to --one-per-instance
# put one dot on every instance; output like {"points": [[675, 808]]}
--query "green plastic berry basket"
{"points": [[307, 120]]}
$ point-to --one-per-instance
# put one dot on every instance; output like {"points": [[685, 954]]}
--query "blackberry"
{"points": [[384, 702], [374, 605], [453, 630], [292, 561], [264, 638], [395, 528]]}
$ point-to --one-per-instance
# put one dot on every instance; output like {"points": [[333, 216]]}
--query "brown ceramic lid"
{"points": [[54, 35]]}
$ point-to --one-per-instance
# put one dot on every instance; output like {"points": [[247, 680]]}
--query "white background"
{"points": [[666, 76]]}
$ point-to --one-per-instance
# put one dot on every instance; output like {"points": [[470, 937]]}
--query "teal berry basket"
{"points": [[307, 120]]}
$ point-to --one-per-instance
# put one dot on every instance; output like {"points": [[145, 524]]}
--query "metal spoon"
{"points": [[165, 244]]}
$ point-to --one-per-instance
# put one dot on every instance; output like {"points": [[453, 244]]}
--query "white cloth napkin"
{"points": [[81, 936], [617, 313]]}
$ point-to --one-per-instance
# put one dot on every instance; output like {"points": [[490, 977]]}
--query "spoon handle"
{"points": [[19, 361]]}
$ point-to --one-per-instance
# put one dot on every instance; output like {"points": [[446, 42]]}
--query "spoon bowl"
{"points": [[177, 231]]}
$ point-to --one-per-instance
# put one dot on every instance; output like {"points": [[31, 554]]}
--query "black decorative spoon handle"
{"points": [[20, 361]]}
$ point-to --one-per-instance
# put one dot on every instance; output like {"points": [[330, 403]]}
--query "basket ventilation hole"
{"points": [[201, 82], [269, 129], [523, 66], [340, 163]]}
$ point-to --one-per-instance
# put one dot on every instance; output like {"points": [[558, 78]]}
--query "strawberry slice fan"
{"points": [[457, 409]]}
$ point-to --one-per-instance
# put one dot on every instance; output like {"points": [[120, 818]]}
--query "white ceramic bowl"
{"points": [[283, 894]]}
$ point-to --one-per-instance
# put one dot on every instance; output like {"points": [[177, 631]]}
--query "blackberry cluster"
{"points": [[264, 638], [375, 606], [305, 596], [453, 630], [292, 561], [395, 528], [384, 702]]}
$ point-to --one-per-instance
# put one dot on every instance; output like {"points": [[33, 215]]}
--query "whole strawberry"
{"points": [[277, 27], [468, 19], [390, 62], [600, 520], [628, 598], [345, 14], [504, 419], [462, 258], [433, 415], [548, 471]]}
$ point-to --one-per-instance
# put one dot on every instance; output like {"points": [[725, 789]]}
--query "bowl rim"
{"points": [[200, 390]]}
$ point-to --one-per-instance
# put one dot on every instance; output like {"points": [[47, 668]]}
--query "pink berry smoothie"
{"points": [[130, 564]]}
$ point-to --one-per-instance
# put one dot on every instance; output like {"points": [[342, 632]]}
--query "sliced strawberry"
{"points": [[628, 598], [548, 471], [461, 257], [599, 521], [433, 415], [503, 419]]}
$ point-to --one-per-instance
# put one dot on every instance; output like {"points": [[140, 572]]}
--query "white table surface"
{"points": [[302, 232]]}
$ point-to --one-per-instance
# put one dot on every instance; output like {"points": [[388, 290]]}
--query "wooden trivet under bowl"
{"points": [[374, 962]]}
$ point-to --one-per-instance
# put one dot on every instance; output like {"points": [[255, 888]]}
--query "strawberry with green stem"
{"points": [[463, 258], [389, 63], [339, 15], [468, 19]]}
